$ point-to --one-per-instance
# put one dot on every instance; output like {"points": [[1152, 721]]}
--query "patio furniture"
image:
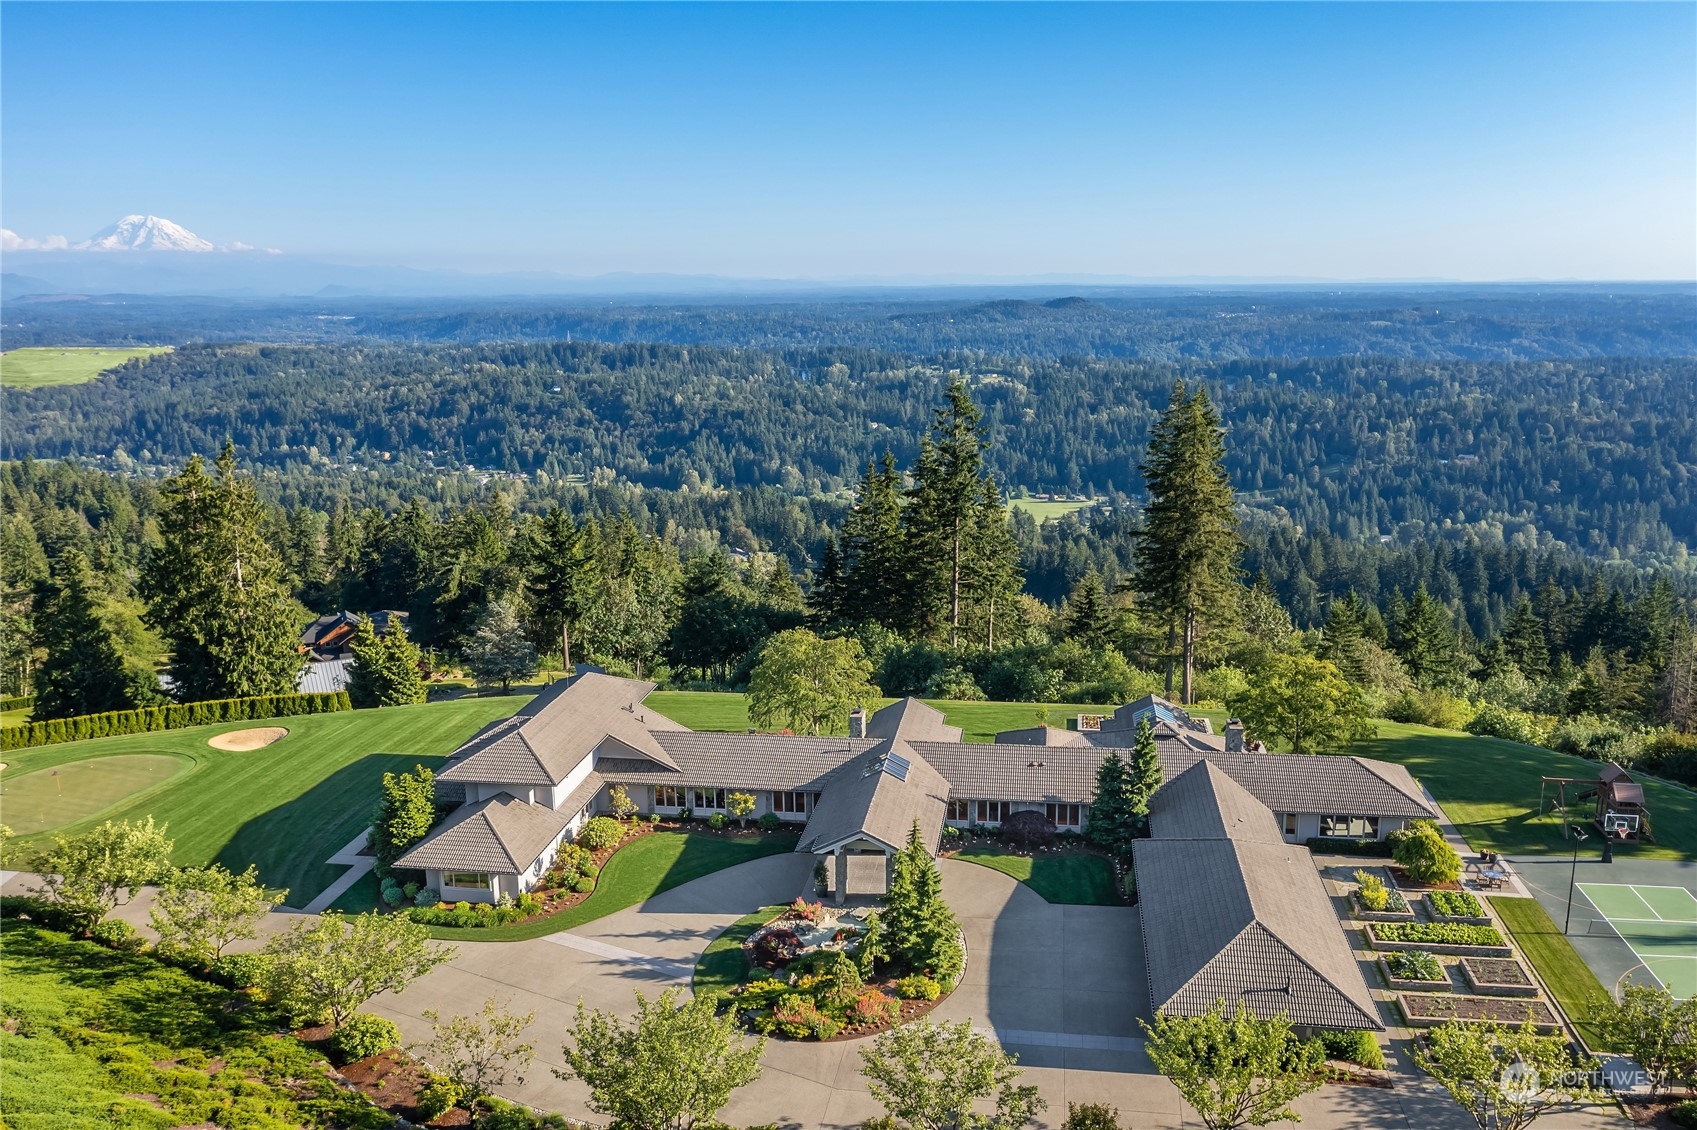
{"points": [[1494, 876]]}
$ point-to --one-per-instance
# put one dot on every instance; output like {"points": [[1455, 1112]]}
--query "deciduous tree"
{"points": [[483, 1052], [1655, 1028], [88, 875], [200, 910], [322, 969], [1504, 1078], [1234, 1068], [674, 1066], [808, 684], [1304, 704], [933, 1076]]}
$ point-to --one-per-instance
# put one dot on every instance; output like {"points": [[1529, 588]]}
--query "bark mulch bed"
{"points": [[1655, 1112], [1424, 1010], [391, 1079], [1405, 883]]}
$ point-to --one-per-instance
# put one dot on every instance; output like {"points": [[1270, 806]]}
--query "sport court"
{"points": [[1658, 923]]}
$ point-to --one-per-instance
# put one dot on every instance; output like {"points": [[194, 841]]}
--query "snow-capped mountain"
{"points": [[144, 233]]}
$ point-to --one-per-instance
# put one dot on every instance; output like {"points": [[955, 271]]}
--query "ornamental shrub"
{"points": [[1685, 1113], [918, 987], [1028, 828], [1091, 1116], [769, 821], [116, 934], [1427, 858], [876, 1007], [799, 1018], [583, 885], [427, 896], [437, 1097], [1355, 1047], [364, 1035], [716, 821], [600, 833], [240, 970], [1372, 892], [1512, 725], [391, 892], [777, 946]]}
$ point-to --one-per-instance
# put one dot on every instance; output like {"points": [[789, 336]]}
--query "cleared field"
{"points": [[54, 797], [286, 807], [1045, 510], [1489, 789], [38, 368]]}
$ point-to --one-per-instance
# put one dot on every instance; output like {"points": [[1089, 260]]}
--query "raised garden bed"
{"points": [[1457, 906], [1405, 882], [1498, 976], [1438, 937], [1406, 914], [1406, 982], [1427, 1010]]}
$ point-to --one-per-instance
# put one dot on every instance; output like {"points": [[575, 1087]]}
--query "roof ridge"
{"points": [[495, 833], [1371, 764], [1302, 960]]}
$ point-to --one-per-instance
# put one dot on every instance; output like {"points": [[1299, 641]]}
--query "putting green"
{"points": [[51, 798]]}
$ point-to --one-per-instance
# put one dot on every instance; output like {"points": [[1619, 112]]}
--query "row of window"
{"points": [[996, 811], [669, 796]]}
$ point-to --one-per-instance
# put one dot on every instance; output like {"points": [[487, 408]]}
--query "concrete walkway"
{"points": [[358, 866]]}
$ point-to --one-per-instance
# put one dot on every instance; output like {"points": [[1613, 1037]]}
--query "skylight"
{"points": [[894, 764]]}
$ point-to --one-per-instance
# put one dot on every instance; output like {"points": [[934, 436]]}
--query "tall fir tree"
{"points": [[1188, 549], [872, 553], [1344, 635], [993, 576], [919, 931], [83, 671], [941, 515], [1113, 819], [386, 667], [558, 577], [1427, 643], [1523, 643], [1087, 617], [214, 589]]}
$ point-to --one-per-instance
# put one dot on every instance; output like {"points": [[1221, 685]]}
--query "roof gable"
{"points": [[1203, 802]]}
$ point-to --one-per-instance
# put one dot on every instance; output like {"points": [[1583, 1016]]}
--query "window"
{"points": [[1064, 815], [958, 810], [992, 811], [1290, 825], [467, 880], [707, 798], [790, 802], [667, 796], [1353, 827]]}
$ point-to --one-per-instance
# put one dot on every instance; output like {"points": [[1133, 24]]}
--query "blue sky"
{"points": [[941, 141]]}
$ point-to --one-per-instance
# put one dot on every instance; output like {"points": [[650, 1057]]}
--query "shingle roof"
{"points": [[559, 728], [1292, 782], [502, 834], [879, 795], [1043, 736], [751, 761], [1202, 803], [913, 720], [1240, 920]]}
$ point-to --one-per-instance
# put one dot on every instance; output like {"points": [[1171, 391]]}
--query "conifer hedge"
{"points": [[148, 719], [17, 701]]}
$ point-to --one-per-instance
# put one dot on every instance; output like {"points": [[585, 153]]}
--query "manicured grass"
{"points": [[722, 965], [1046, 510], [1489, 789], [14, 717], [1542, 943], [979, 721], [1079, 877], [53, 797], [287, 807], [93, 1030], [37, 368], [641, 869]]}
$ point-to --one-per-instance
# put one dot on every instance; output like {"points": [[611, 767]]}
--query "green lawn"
{"points": [[14, 717], [38, 368], [722, 965], [1046, 510], [1489, 789], [287, 807], [53, 797], [980, 721], [1542, 943], [641, 869], [1079, 877]]}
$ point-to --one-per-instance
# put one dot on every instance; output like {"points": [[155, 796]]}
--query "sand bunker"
{"points": [[256, 738]]}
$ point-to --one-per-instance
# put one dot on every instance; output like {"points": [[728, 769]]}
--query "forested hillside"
{"points": [[1598, 455]]}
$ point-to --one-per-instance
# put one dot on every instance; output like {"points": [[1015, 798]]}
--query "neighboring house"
{"points": [[327, 643], [858, 797]]}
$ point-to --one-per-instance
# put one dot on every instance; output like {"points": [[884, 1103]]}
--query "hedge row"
{"points": [[1338, 845], [17, 701], [151, 718]]}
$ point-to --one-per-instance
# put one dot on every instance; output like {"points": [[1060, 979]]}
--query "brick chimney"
{"points": [[857, 722], [1234, 736]]}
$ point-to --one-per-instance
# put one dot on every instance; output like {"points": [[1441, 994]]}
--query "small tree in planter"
{"points": [[740, 806], [620, 803]]}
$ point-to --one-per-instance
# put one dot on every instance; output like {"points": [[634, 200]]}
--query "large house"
{"points": [[525, 785]]}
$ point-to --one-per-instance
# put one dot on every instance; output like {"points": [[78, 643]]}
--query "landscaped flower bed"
{"points": [[1414, 970], [1500, 976], [1439, 937], [1425, 1010], [1372, 901], [1457, 906]]}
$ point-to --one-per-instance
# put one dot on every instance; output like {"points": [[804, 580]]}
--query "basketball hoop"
{"points": [[1620, 825]]}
